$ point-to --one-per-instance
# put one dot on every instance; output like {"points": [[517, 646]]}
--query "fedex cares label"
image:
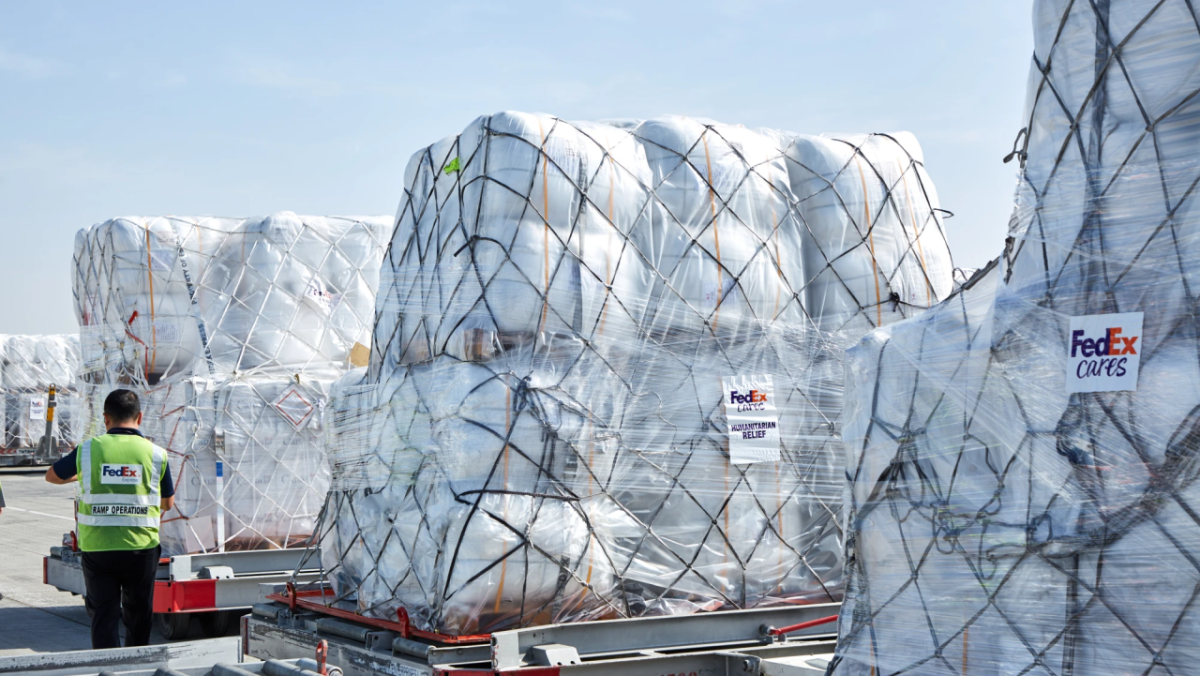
{"points": [[1104, 352], [752, 418], [120, 474]]}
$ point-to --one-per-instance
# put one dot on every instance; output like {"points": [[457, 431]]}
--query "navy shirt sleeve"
{"points": [[166, 488], [64, 467]]}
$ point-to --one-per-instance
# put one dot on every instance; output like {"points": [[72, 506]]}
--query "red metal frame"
{"points": [[188, 596], [245, 631], [520, 671], [322, 654], [803, 625], [301, 599], [185, 596]]}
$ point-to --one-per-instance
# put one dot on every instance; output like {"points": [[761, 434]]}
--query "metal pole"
{"points": [[46, 445]]}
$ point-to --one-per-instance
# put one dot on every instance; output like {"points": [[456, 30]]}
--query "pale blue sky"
{"points": [[236, 109]]}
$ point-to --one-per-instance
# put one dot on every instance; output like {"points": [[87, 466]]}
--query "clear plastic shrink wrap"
{"points": [[233, 330], [29, 365], [1022, 459], [268, 435], [565, 311]]}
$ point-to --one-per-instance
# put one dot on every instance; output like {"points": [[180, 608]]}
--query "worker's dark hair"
{"points": [[122, 406]]}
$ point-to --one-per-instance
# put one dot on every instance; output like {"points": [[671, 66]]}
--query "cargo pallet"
{"points": [[27, 457], [47, 451], [795, 640], [216, 587], [220, 657]]}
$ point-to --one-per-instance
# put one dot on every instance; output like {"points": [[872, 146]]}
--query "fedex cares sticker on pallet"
{"points": [[1104, 352], [753, 419], [37, 408]]}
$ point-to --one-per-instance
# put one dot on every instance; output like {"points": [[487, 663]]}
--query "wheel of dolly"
{"points": [[173, 626], [216, 623]]}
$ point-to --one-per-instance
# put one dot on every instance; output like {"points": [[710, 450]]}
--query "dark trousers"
{"points": [[120, 585]]}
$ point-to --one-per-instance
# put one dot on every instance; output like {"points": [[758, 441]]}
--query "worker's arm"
{"points": [[63, 470], [55, 479], [166, 488]]}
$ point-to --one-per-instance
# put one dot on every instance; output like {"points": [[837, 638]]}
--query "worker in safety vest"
{"points": [[124, 486]]}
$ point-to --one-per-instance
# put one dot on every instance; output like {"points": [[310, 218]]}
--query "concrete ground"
{"points": [[35, 617]]}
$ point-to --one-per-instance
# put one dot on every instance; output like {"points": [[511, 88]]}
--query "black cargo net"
{"points": [[29, 366], [583, 454], [998, 525], [231, 331]]}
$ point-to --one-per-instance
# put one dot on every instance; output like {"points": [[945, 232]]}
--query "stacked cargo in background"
{"points": [[233, 331], [566, 309], [29, 365], [1009, 511]]}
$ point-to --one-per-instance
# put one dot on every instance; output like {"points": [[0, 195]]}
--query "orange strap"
{"points": [[870, 239], [507, 434], [778, 262], [612, 179], [712, 202], [779, 511], [545, 225], [591, 468], [153, 356], [966, 633]]}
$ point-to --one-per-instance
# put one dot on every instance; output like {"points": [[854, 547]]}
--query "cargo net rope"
{"points": [[1014, 506], [248, 458], [566, 309], [232, 331], [29, 366]]}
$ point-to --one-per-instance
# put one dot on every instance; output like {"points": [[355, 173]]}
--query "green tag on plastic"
{"points": [[452, 167]]}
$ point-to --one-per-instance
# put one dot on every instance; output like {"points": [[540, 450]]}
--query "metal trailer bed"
{"points": [[216, 588], [217, 657], [784, 641], [31, 457], [49, 449]]}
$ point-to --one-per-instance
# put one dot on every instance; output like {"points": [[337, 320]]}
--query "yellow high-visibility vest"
{"points": [[119, 487]]}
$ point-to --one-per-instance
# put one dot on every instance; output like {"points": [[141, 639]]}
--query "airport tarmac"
{"points": [[35, 617]]}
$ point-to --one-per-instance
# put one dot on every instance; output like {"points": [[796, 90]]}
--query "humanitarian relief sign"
{"points": [[753, 419], [1104, 352]]}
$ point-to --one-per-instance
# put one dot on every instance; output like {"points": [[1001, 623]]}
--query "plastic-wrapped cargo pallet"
{"points": [[29, 365], [597, 386], [1023, 458], [233, 330]]}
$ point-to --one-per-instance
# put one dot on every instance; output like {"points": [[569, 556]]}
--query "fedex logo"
{"points": [[754, 396], [1112, 344], [1103, 353], [120, 474], [754, 400]]}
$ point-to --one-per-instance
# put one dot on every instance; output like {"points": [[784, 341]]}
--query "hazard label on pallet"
{"points": [[293, 407]]}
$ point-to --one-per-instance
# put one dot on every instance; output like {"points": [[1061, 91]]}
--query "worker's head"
{"points": [[122, 409]]}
